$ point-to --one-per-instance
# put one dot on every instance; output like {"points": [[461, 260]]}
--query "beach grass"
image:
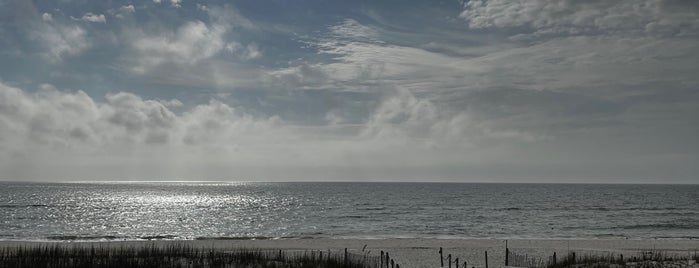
{"points": [[643, 259], [177, 255]]}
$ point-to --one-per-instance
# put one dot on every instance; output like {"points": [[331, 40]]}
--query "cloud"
{"points": [[122, 11], [173, 3], [98, 18], [350, 29], [403, 118], [60, 120], [191, 43], [127, 9], [74, 125], [585, 17], [201, 53], [61, 40], [249, 52], [361, 60], [545, 85]]}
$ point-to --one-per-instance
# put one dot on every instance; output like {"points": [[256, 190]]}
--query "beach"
{"points": [[420, 252]]}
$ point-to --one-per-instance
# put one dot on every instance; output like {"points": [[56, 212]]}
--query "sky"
{"points": [[468, 91]]}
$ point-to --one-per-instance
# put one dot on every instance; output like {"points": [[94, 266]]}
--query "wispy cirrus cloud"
{"points": [[585, 17]]}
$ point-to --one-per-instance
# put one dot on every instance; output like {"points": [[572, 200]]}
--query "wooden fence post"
{"points": [[346, 257], [554, 258], [457, 262], [381, 260], [393, 265], [449, 259], [387, 259], [486, 259], [507, 254], [441, 257]]}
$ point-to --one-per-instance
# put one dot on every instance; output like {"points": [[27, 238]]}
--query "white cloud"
{"points": [[62, 120], [72, 136], [361, 60], [191, 51], [74, 126], [190, 43], [123, 11], [249, 52], [353, 30], [127, 9], [403, 118], [46, 17], [98, 18], [173, 3], [585, 17], [61, 41]]}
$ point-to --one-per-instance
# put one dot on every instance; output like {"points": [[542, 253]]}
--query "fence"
{"points": [[183, 256]]}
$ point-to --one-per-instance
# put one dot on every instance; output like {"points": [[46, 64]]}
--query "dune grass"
{"points": [[643, 259], [177, 255]]}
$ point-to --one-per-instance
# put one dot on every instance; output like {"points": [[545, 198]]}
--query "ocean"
{"points": [[159, 210]]}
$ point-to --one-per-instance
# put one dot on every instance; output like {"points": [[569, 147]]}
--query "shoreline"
{"points": [[417, 252], [108, 239]]}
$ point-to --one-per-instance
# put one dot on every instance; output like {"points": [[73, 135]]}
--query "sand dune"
{"points": [[413, 252]]}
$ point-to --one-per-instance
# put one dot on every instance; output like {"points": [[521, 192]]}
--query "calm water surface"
{"points": [[86, 211]]}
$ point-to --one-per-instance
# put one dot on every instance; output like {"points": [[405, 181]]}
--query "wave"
{"points": [[509, 209], [352, 217], [372, 208], [77, 237], [598, 208], [683, 226], [247, 237], [23, 206], [166, 237]]}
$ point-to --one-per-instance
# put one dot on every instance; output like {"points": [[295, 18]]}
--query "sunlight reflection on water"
{"points": [[194, 210]]}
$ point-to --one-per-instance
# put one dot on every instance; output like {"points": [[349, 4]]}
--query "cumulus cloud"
{"points": [[89, 17], [127, 9], [190, 43], [46, 17], [60, 120], [201, 52], [173, 3], [585, 17], [61, 40], [249, 52], [404, 118], [74, 125], [122, 11], [542, 84]]}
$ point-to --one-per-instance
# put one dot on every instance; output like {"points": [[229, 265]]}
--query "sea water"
{"points": [[158, 210]]}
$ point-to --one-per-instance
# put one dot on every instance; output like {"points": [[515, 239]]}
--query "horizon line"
{"points": [[336, 181]]}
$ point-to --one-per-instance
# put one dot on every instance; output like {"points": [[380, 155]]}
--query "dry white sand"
{"points": [[412, 252]]}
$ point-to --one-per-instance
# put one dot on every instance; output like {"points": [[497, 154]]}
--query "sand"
{"points": [[414, 252]]}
